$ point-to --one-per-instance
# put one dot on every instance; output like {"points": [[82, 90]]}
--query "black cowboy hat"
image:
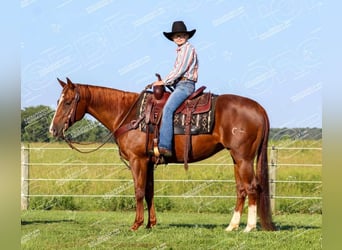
{"points": [[178, 27]]}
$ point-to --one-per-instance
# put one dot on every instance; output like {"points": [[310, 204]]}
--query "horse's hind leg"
{"points": [[240, 201], [246, 185], [149, 194], [251, 187], [252, 192]]}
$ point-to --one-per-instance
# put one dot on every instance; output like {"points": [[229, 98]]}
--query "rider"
{"points": [[182, 77]]}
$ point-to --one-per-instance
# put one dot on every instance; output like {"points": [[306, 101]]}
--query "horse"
{"points": [[241, 126]]}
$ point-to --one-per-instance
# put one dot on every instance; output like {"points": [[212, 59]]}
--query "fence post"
{"points": [[24, 177], [272, 176]]}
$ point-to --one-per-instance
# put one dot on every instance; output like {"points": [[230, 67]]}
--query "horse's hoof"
{"points": [[232, 228], [151, 225], [135, 227], [249, 228]]}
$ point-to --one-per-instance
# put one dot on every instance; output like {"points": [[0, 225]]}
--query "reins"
{"points": [[70, 143], [130, 110], [72, 118]]}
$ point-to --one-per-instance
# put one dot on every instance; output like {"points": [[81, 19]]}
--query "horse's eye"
{"points": [[57, 102], [67, 103]]}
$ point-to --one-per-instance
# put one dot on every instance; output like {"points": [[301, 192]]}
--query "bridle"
{"points": [[72, 114], [71, 120]]}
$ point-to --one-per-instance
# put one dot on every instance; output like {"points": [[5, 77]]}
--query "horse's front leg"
{"points": [[139, 172], [149, 194]]}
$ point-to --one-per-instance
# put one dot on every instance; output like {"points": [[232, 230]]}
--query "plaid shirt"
{"points": [[186, 65]]}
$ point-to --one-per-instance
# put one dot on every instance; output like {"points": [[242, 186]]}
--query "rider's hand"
{"points": [[149, 86]]}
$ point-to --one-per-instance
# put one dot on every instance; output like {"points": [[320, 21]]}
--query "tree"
{"points": [[295, 134], [87, 130], [35, 122]]}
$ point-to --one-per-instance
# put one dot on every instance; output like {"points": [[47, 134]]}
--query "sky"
{"points": [[270, 51]]}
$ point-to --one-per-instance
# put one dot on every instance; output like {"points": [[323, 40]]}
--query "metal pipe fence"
{"points": [[273, 165]]}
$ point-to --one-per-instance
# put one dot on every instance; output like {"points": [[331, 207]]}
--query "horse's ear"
{"points": [[61, 82], [70, 84]]}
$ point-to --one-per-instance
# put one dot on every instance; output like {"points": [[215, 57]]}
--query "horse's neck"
{"points": [[109, 106]]}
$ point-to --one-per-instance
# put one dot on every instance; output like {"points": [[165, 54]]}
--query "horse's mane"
{"points": [[110, 97]]}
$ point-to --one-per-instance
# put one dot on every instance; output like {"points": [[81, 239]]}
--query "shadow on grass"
{"points": [[242, 226], [187, 225], [295, 227], [23, 222]]}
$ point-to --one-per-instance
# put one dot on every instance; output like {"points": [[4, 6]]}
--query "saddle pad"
{"points": [[201, 123]]}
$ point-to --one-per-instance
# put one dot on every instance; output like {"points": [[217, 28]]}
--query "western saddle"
{"points": [[151, 108]]}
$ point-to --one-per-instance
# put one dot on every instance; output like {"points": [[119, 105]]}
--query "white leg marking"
{"points": [[252, 218], [235, 221]]}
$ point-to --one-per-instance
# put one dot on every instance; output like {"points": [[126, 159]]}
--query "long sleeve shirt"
{"points": [[186, 65]]}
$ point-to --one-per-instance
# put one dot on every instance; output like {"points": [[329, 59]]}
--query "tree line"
{"points": [[35, 122]]}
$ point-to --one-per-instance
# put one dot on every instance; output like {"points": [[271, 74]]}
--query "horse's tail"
{"points": [[263, 203]]}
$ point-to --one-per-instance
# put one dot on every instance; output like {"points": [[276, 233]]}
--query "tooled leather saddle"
{"points": [[194, 116]]}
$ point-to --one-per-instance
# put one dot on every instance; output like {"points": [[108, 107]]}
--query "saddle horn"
{"points": [[158, 91], [158, 76]]}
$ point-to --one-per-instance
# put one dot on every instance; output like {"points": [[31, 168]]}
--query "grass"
{"points": [[183, 223], [175, 230]]}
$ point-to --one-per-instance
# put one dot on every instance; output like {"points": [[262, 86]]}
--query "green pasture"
{"points": [[53, 229], [110, 177], [187, 222]]}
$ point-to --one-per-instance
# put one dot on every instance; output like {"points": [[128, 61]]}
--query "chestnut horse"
{"points": [[241, 126]]}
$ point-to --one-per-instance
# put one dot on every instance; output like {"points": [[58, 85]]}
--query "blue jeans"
{"points": [[182, 90]]}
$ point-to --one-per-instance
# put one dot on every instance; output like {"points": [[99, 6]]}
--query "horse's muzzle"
{"points": [[57, 132]]}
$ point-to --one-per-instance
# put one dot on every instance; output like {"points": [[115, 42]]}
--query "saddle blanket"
{"points": [[201, 122]]}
